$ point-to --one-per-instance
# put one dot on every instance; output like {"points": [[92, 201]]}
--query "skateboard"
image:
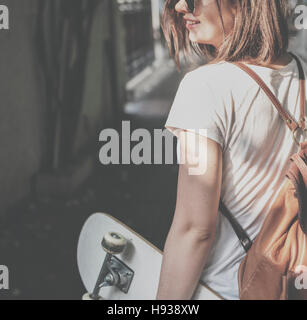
{"points": [[116, 263]]}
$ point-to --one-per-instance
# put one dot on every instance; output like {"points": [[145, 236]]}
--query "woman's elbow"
{"points": [[197, 233], [202, 234]]}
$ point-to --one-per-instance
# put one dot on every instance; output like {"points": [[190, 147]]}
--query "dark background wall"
{"points": [[22, 104]]}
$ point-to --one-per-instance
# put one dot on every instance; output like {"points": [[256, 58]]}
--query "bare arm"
{"points": [[193, 228]]}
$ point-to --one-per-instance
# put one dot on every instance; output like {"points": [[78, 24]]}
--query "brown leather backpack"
{"points": [[275, 266]]}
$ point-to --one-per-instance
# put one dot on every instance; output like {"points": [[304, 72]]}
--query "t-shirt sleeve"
{"points": [[197, 108]]}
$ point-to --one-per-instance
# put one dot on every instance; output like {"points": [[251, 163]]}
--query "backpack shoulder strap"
{"points": [[303, 91], [242, 235], [288, 119]]}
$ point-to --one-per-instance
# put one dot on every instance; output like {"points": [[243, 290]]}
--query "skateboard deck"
{"points": [[141, 258]]}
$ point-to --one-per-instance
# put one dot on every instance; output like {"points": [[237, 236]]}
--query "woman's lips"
{"points": [[191, 24]]}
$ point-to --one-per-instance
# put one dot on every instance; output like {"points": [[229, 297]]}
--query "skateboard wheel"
{"points": [[114, 242], [87, 296]]}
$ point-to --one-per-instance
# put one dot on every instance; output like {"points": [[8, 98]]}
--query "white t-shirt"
{"points": [[256, 146]]}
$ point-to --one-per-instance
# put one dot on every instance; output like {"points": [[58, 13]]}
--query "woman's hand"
{"points": [[193, 228]]}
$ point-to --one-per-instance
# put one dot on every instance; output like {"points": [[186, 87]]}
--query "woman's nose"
{"points": [[181, 6]]}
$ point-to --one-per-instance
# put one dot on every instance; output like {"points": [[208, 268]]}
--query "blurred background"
{"points": [[69, 69]]}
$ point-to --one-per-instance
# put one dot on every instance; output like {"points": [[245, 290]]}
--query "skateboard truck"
{"points": [[113, 273]]}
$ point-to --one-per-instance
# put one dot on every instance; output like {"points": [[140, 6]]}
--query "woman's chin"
{"points": [[201, 40]]}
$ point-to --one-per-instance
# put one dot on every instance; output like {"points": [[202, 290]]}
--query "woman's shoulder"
{"points": [[213, 71], [226, 76], [221, 77]]}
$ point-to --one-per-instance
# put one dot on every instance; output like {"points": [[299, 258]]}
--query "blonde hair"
{"points": [[260, 33]]}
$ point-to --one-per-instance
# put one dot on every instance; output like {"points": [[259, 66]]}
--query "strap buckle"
{"points": [[246, 244], [295, 130]]}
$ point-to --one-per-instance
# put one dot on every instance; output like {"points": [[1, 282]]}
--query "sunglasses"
{"points": [[191, 4]]}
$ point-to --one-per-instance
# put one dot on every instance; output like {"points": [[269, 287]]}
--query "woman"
{"points": [[246, 144]]}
